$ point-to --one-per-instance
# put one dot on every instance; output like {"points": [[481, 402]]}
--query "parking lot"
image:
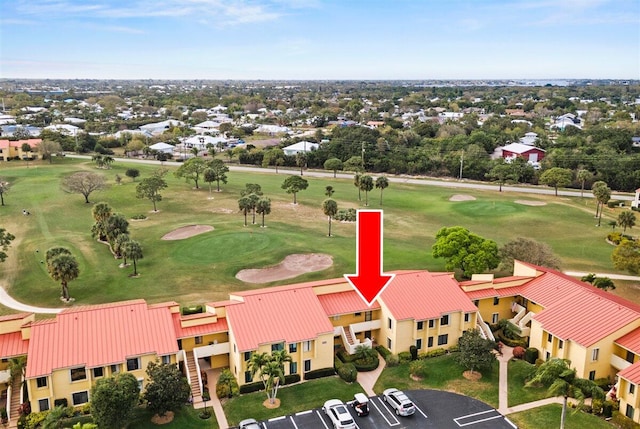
{"points": [[434, 409]]}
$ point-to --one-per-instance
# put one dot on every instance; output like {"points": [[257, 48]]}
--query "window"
{"points": [[432, 323], [367, 316], [430, 342], [629, 412], [247, 356], [444, 320], [357, 314], [592, 375], [389, 343], [277, 347], [198, 339], [80, 398], [390, 323], [467, 317], [494, 318], [41, 382], [293, 367], [336, 317], [419, 343], [307, 365], [594, 354], [560, 344], [43, 404], [548, 356], [133, 364], [306, 346], [248, 378], [166, 359], [496, 300], [549, 338], [632, 388], [115, 369], [476, 302], [420, 326], [78, 374], [98, 372], [443, 339], [630, 357]]}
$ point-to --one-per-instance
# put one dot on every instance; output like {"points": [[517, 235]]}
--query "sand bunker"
{"points": [[186, 232], [290, 267], [460, 197], [530, 202]]}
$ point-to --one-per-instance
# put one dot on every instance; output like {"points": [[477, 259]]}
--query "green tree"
{"points": [[270, 369], [293, 185], [333, 164], [167, 389], [273, 156], [245, 204], [501, 173], [356, 183], [101, 212], [116, 224], [556, 177], [603, 195], [133, 251], [475, 351], [263, 207], [150, 188], [132, 173], [219, 169], [561, 380], [26, 149], [84, 183], [626, 256], [382, 183], [626, 220], [191, 170], [4, 188], [366, 184], [301, 161], [329, 191], [63, 267], [113, 400], [5, 240], [53, 419], [582, 176], [119, 245], [598, 188], [353, 164], [330, 209], [465, 251], [527, 250], [47, 148]]}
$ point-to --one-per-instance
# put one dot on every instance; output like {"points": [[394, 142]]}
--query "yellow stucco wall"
{"points": [[627, 398], [487, 308], [189, 343]]}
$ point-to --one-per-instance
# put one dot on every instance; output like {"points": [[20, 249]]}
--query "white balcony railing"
{"points": [[619, 363]]}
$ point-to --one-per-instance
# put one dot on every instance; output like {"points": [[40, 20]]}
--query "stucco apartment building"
{"points": [[563, 317], [11, 149]]}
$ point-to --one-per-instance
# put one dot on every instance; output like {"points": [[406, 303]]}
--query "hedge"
{"points": [[319, 373], [383, 351], [348, 372], [258, 385], [194, 309], [509, 341], [531, 355]]}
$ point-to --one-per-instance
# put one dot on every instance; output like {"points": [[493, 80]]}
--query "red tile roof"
{"points": [[631, 373], [14, 316], [289, 313], [13, 345], [422, 295], [18, 143], [631, 341], [99, 335], [335, 304], [204, 329], [491, 292]]}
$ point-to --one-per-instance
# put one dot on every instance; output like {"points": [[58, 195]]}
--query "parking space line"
{"points": [[302, 413], [321, 419], [275, 419], [511, 423], [476, 421], [382, 414], [474, 414], [293, 423], [425, 416]]}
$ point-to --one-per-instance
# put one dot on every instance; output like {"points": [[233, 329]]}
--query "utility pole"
{"points": [[362, 157], [461, 163]]}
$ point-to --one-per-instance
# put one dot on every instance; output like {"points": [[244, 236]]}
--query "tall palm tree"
{"points": [[119, 246], [100, 212], [133, 250], [263, 207], [245, 205], [256, 362], [382, 183], [366, 184], [330, 208], [582, 176], [562, 380], [626, 220], [64, 268], [356, 183]]}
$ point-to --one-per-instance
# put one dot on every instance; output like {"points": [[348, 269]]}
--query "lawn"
{"points": [[549, 417], [203, 268], [519, 371], [295, 398], [444, 374], [186, 418]]}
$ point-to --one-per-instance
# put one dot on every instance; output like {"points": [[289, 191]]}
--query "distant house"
{"points": [[566, 120], [300, 147], [531, 154], [158, 128], [13, 149], [70, 130], [10, 130], [271, 129], [162, 147]]}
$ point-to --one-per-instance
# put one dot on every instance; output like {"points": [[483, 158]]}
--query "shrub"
{"points": [[531, 355], [518, 352], [614, 237], [346, 215], [623, 422], [614, 203], [511, 342], [539, 362], [597, 406], [383, 351], [319, 373], [393, 360], [251, 387], [34, 420], [603, 383], [607, 409], [404, 357], [432, 353], [414, 352], [454, 348], [227, 385], [337, 363], [366, 365], [348, 372], [139, 217], [419, 368], [86, 408], [291, 378]]}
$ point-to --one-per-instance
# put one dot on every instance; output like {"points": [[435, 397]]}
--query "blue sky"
{"points": [[320, 39]]}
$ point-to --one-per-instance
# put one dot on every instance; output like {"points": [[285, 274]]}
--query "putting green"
{"points": [[487, 208], [212, 247]]}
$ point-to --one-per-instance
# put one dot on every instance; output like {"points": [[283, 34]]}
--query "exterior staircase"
{"points": [[196, 393], [14, 403], [348, 336]]}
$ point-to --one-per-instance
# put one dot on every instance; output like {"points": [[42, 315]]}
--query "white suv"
{"points": [[339, 414], [399, 402]]}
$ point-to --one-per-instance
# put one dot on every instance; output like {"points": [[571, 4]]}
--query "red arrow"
{"points": [[369, 281]]}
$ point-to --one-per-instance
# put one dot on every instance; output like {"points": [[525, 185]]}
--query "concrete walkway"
{"points": [[212, 380], [8, 301], [368, 379]]}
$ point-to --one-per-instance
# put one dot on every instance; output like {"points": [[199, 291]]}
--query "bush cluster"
{"points": [[346, 215], [348, 372], [194, 309], [531, 355], [518, 352], [383, 351], [617, 237], [319, 373]]}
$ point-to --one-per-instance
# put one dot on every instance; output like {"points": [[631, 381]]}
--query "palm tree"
{"points": [[119, 245], [64, 268], [274, 370], [301, 161], [245, 205], [382, 183], [626, 220], [562, 380], [100, 212], [107, 161], [365, 354], [194, 152], [583, 175], [17, 367], [263, 207], [356, 183], [366, 184], [330, 208], [133, 251], [329, 191], [595, 188]]}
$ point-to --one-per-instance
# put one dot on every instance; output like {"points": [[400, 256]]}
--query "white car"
{"points": [[339, 414], [399, 402], [249, 424]]}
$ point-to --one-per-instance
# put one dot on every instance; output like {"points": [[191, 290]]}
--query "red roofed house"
{"points": [[10, 149]]}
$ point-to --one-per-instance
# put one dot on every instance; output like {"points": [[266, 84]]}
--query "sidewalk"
{"points": [[368, 379]]}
